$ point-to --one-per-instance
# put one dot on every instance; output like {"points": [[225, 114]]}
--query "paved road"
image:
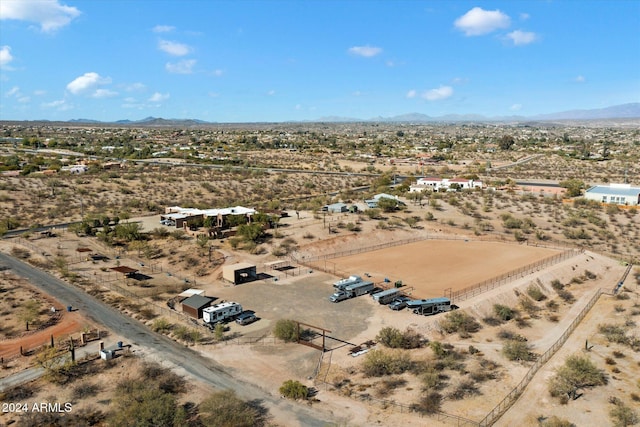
{"points": [[167, 350]]}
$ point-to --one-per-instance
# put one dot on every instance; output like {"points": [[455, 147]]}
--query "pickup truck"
{"points": [[339, 296]]}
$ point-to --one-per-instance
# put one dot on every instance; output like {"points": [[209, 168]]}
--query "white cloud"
{"points": [[214, 94], [134, 87], [271, 92], [412, 93], [49, 14], [163, 29], [478, 21], [366, 51], [129, 99], [524, 16], [522, 37], [181, 67], [443, 92], [39, 92], [13, 91], [159, 97], [59, 105], [580, 79], [5, 55], [86, 82], [516, 107], [104, 93], [218, 72], [174, 48]]}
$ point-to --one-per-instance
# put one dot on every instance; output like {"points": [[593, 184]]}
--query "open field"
{"points": [[432, 266]]}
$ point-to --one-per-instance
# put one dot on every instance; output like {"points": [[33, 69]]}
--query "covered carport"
{"points": [[239, 273]]}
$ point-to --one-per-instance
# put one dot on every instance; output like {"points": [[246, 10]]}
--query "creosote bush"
{"points": [[461, 322], [294, 390], [393, 338], [378, 363], [286, 330]]}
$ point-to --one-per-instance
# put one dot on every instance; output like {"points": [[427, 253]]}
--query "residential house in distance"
{"points": [[437, 184], [618, 194]]}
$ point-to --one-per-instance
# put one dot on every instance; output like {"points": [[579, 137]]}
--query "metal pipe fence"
{"points": [[495, 282], [511, 398]]}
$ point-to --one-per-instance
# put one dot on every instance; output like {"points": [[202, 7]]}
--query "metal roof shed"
{"points": [[239, 273], [194, 305]]}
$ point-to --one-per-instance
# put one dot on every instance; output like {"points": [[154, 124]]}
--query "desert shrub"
{"points": [[294, 390], [578, 372], [622, 296], [393, 338], [189, 335], [84, 390], [622, 415], [528, 305], [466, 387], [557, 285], [139, 402], [378, 363], [535, 293], [429, 403], [224, 408], [503, 312], [286, 330], [614, 333], [459, 321], [165, 379], [161, 325], [517, 351], [590, 275], [432, 378], [386, 386], [566, 296], [492, 321], [147, 314], [506, 334], [557, 422], [552, 305]]}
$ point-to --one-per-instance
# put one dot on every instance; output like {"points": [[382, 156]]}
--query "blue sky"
{"points": [[247, 61]]}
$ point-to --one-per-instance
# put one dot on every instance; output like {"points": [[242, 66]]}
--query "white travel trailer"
{"points": [[221, 312], [343, 283]]}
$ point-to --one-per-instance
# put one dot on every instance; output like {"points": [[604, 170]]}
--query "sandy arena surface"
{"points": [[431, 266]]}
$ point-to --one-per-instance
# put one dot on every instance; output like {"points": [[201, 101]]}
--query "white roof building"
{"points": [[619, 194]]}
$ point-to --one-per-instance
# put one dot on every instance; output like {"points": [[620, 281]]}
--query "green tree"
{"points": [[251, 232], [577, 372], [387, 204], [574, 186], [29, 312], [506, 142], [286, 330]]}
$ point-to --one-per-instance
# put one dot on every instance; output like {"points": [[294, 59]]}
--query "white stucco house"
{"points": [[437, 184], [618, 194]]}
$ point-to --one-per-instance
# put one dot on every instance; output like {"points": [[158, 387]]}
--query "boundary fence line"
{"points": [[495, 282], [511, 398]]}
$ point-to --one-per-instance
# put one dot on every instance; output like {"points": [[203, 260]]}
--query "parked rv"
{"points": [[385, 297], [222, 312], [430, 306], [343, 283]]}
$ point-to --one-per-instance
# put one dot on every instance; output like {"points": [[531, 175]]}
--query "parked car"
{"points": [[399, 303], [246, 317]]}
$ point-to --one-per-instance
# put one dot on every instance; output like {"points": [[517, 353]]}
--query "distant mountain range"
{"points": [[623, 111]]}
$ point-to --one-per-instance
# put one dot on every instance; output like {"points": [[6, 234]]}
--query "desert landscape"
{"points": [[537, 277]]}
